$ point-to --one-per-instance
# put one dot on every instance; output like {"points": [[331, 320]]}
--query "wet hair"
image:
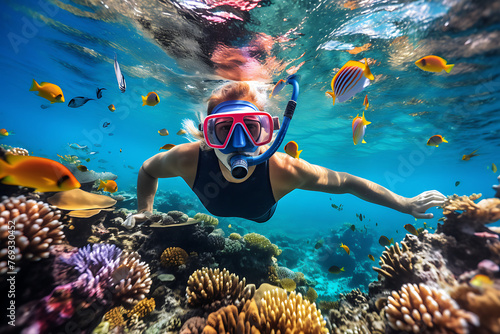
{"points": [[238, 90]]}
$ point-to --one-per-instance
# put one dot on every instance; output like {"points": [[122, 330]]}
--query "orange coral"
{"points": [[142, 308], [174, 257], [420, 308], [485, 212], [115, 317]]}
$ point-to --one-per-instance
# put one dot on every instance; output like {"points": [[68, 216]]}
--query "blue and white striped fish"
{"points": [[352, 78], [119, 77]]}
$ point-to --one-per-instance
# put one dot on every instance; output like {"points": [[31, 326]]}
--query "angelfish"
{"points": [[358, 129], [119, 76]]}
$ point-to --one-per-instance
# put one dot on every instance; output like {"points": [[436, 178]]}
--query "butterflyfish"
{"points": [[358, 129], [433, 64], [151, 99], [167, 147], [45, 175], [335, 270], [119, 76], [436, 140], [384, 241], [163, 132], [371, 257], [466, 157], [278, 87], [292, 149], [352, 78], [109, 186], [344, 247], [48, 91], [366, 103], [410, 228]]}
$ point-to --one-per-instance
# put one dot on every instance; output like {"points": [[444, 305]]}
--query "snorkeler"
{"points": [[235, 174]]}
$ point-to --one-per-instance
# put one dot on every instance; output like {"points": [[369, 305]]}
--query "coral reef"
{"points": [[18, 151], [142, 308], [193, 325], [174, 257], [288, 284], [420, 308], [396, 262], [28, 231], [234, 236], [115, 317], [133, 279], [212, 289], [485, 212], [260, 242], [206, 220]]}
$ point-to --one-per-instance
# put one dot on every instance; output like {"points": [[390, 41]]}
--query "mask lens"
{"points": [[222, 127], [254, 127]]}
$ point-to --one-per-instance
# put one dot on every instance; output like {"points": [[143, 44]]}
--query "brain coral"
{"points": [[260, 242], [212, 289], [37, 228], [174, 257], [420, 308]]}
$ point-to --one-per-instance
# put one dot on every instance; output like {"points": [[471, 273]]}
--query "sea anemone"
{"points": [[28, 230]]}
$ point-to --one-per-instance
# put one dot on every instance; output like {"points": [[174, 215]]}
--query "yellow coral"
{"points": [[207, 220], [115, 317], [174, 257], [258, 241], [142, 308], [419, 308], [235, 236], [288, 284]]}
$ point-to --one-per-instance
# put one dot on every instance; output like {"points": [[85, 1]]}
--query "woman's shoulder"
{"points": [[186, 153]]}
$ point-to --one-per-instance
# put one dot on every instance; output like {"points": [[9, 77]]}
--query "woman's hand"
{"points": [[132, 219], [419, 204]]}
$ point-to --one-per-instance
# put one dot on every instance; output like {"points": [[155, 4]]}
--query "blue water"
{"points": [[72, 44]]}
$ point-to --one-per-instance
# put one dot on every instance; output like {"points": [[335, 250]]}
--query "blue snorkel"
{"points": [[240, 163]]}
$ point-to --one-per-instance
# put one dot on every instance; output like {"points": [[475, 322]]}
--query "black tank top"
{"points": [[252, 199]]}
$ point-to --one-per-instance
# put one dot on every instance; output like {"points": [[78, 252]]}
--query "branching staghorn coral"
{"points": [[485, 212], [174, 257], [420, 308], [28, 230], [396, 262], [212, 289]]}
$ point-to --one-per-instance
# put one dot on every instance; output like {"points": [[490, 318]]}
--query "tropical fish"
{"points": [[151, 99], [335, 270], [44, 106], [358, 129], [292, 149], [120, 150], [480, 281], [87, 160], [436, 140], [442, 219], [319, 244], [433, 64], [106, 124], [181, 132], [78, 101], [82, 168], [278, 87], [410, 228], [111, 107], [384, 241], [344, 247], [167, 147], [371, 257], [353, 227], [352, 78], [163, 132], [78, 146], [119, 76], [98, 92], [109, 186], [48, 91], [360, 217], [45, 175], [4, 133], [457, 183], [466, 157], [366, 103], [229, 226], [494, 168]]}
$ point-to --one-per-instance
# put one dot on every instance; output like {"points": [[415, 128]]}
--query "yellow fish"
{"points": [[292, 149], [384, 241], [351, 79], [358, 129], [82, 168], [229, 226], [4, 133], [436, 140], [43, 174], [48, 91], [480, 281], [163, 132], [181, 132], [433, 64], [366, 103], [335, 270], [494, 168], [344, 247], [371, 257], [466, 157], [109, 186], [410, 228], [167, 147], [151, 99], [111, 107]]}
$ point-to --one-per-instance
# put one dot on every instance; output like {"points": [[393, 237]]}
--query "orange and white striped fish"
{"points": [[352, 78]]}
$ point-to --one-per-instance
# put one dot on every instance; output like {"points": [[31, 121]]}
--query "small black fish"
{"points": [[45, 106], [360, 217], [78, 101], [457, 183], [98, 92], [106, 124], [353, 227]]}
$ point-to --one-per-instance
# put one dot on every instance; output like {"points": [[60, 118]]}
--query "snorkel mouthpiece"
{"points": [[239, 163]]}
